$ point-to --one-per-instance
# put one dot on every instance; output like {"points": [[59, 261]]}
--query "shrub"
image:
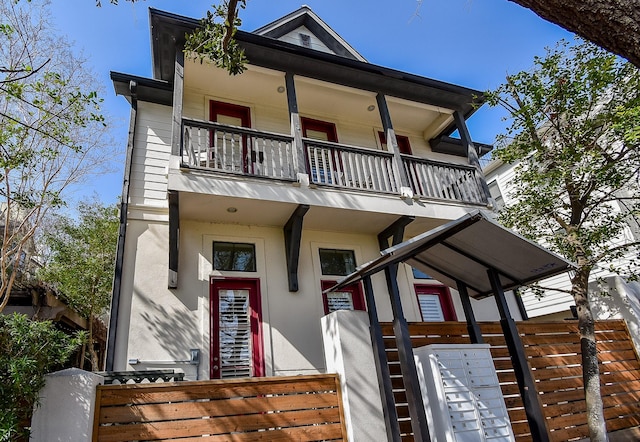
{"points": [[28, 350]]}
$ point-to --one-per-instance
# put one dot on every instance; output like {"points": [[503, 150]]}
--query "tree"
{"points": [[575, 131], [51, 130], [28, 351], [611, 24], [82, 263]]}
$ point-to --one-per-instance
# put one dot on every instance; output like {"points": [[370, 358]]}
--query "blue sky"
{"points": [[473, 43]]}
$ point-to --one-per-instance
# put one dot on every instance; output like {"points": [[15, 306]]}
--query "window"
{"points": [[403, 143], [337, 262], [435, 303], [347, 298], [230, 256], [418, 274], [494, 190]]}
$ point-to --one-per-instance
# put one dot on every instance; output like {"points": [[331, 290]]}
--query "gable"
{"points": [[293, 28]]}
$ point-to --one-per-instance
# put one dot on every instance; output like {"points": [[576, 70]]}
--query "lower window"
{"points": [[347, 298]]}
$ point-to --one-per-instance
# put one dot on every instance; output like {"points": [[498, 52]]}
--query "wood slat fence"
{"points": [[553, 351], [301, 408]]}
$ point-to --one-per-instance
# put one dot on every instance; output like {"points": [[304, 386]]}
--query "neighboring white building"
{"points": [[244, 196], [554, 304]]}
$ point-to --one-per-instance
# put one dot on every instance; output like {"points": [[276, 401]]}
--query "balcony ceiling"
{"points": [[214, 209], [316, 99]]}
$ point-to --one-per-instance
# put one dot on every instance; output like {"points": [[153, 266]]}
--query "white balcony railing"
{"points": [[237, 150], [242, 151], [337, 165], [437, 180]]}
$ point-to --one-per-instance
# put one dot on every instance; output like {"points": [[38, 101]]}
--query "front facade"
{"points": [[245, 196]]}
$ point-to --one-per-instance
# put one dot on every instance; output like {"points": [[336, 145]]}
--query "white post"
{"points": [[349, 353], [621, 301], [67, 405]]}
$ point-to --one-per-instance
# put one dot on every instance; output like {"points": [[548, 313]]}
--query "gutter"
{"points": [[124, 208]]}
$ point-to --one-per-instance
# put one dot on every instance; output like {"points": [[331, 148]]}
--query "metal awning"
{"points": [[463, 251]]}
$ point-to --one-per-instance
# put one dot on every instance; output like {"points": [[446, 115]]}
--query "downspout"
{"points": [[124, 207]]}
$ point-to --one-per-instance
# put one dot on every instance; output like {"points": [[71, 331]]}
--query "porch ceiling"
{"points": [[214, 209], [464, 250]]}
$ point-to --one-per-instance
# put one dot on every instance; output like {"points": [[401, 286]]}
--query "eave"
{"points": [[168, 34]]}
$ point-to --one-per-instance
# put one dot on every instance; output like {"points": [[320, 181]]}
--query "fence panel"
{"points": [[303, 408], [553, 351]]}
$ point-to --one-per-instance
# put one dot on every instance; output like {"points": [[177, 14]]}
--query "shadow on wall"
{"points": [[174, 331]]}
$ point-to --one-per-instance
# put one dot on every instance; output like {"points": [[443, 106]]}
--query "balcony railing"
{"points": [[237, 150], [243, 151], [433, 179], [350, 167]]}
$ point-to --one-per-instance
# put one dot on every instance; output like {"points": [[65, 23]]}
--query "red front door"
{"points": [[236, 329]]}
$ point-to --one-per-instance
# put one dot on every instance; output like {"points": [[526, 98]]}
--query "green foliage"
{"points": [[28, 350], [575, 134], [213, 40], [82, 262], [83, 258]]}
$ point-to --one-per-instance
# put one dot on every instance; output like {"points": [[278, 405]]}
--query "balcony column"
{"points": [[402, 181], [472, 155], [296, 130], [178, 91]]}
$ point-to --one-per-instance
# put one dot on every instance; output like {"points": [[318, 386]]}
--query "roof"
{"points": [[464, 250], [305, 17], [168, 33]]}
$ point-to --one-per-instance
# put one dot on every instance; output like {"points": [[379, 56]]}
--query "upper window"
{"points": [[337, 262], [403, 143], [232, 256]]}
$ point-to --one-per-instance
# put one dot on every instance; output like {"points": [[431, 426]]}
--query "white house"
{"points": [[244, 196], [557, 302]]}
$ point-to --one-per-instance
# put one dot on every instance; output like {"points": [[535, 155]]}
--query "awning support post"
{"points": [[475, 335], [382, 366], [403, 338], [526, 384]]}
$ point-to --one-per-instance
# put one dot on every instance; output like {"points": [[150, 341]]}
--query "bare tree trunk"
{"points": [[612, 24], [590, 369]]}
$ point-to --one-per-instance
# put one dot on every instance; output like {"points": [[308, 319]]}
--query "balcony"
{"points": [[248, 152]]}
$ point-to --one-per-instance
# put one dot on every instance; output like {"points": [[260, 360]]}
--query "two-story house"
{"points": [[245, 196]]}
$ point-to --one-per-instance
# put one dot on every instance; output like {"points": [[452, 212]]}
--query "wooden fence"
{"points": [[553, 351], [301, 408]]}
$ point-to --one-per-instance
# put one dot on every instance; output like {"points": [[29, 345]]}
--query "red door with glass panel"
{"points": [[435, 303], [230, 150], [236, 329], [322, 165]]}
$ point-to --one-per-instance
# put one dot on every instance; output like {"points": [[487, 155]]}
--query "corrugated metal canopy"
{"points": [[464, 250]]}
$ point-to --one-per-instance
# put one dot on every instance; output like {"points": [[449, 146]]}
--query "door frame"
{"points": [[255, 320]]}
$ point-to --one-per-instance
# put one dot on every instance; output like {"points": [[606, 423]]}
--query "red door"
{"points": [[230, 149], [322, 163], [347, 298], [236, 329], [435, 303]]}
